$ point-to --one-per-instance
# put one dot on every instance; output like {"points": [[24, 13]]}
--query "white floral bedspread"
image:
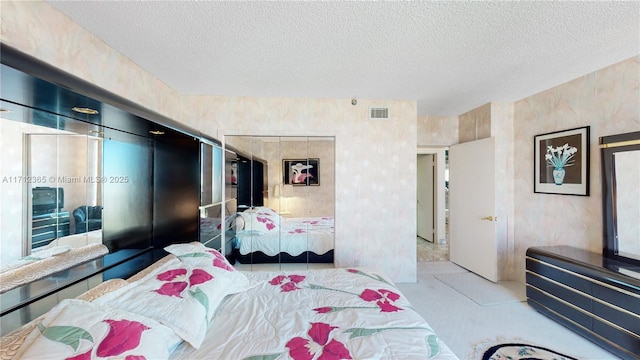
{"points": [[295, 236], [318, 314]]}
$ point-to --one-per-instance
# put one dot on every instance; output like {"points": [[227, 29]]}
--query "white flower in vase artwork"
{"points": [[560, 157]]}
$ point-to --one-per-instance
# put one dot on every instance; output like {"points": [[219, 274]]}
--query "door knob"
{"points": [[490, 218]]}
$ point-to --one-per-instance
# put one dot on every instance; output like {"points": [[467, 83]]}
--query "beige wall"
{"points": [[305, 201], [435, 131], [302, 201], [475, 124], [608, 100]]}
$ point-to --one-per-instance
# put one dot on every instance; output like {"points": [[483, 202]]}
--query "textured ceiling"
{"points": [[448, 56]]}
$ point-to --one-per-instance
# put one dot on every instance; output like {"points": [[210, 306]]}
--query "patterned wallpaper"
{"points": [[475, 124], [608, 100], [375, 168], [436, 131], [502, 128], [307, 201]]}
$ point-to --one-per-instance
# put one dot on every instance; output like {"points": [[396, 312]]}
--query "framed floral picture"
{"points": [[561, 162], [301, 171]]}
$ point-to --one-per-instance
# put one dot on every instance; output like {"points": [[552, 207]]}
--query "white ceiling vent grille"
{"points": [[379, 113]]}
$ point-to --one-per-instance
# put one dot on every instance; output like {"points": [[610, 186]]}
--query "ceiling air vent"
{"points": [[379, 113]]}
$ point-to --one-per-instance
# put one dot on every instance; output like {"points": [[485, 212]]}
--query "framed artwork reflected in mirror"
{"points": [[301, 171]]}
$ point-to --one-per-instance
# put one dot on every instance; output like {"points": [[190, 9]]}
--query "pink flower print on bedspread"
{"points": [[383, 298], [219, 261], [287, 283], [177, 281], [84, 356], [297, 231], [372, 276], [124, 335], [329, 349], [268, 223]]}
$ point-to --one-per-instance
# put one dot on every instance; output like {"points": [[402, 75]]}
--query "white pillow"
{"points": [[178, 294], [239, 223], [76, 327], [266, 211], [196, 254], [263, 222]]}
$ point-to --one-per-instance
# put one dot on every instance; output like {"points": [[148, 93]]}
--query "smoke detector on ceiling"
{"points": [[379, 113]]}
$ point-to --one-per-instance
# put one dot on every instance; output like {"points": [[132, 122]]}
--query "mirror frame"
{"points": [[610, 146]]}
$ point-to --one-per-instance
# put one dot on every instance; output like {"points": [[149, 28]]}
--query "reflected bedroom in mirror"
{"points": [[281, 223], [52, 191], [84, 191], [621, 200]]}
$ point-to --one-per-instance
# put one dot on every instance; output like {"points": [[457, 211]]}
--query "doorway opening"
{"points": [[432, 235]]}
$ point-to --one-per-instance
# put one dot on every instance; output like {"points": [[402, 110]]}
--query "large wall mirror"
{"points": [[216, 212], [89, 189], [285, 188], [51, 207], [621, 196], [51, 185]]}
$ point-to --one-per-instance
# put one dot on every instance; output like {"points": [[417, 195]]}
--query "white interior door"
{"points": [[472, 207], [425, 199]]}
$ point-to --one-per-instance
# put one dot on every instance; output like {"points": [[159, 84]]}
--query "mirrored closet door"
{"points": [[285, 189], [52, 193]]}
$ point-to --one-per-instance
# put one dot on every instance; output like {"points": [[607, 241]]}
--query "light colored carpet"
{"points": [[482, 291], [469, 329]]}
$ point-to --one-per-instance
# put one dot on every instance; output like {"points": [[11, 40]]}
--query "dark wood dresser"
{"points": [[47, 227], [594, 296]]}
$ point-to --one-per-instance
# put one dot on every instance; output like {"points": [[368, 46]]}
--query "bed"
{"points": [[46, 262], [60, 254], [263, 236], [194, 305]]}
